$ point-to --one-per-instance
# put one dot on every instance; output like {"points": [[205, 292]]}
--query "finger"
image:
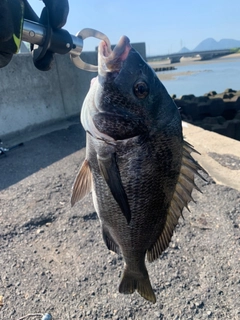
{"points": [[58, 12], [6, 22], [46, 62]]}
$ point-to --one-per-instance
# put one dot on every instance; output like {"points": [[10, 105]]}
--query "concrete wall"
{"points": [[141, 48], [138, 46], [30, 98]]}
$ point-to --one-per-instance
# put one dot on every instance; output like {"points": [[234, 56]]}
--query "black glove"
{"points": [[11, 20], [58, 12], [12, 13]]}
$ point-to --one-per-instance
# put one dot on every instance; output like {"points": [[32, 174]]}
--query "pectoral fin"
{"points": [[109, 170], [83, 183]]}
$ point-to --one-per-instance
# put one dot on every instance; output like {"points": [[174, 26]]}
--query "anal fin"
{"points": [[110, 172], [83, 183]]}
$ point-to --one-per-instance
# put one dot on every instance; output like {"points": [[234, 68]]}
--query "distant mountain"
{"points": [[184, 50], [212, 44], [229, 43]]}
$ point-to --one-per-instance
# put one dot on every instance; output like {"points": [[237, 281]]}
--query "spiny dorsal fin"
{"points": [[83, 183], [181, 197]]}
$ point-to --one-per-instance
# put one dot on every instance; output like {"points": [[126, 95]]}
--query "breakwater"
{"points": [[164, 68], [215, 112]]}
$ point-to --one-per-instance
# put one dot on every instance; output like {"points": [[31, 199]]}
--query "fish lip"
{"points": [[111, 60]]}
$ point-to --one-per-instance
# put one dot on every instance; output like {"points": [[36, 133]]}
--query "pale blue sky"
{"points": [[165, 26]]}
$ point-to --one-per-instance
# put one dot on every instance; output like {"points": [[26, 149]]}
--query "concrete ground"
{"points": [[53, 259], [219, 155]]}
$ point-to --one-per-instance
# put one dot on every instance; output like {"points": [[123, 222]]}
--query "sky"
{"points": [[165, 26]]}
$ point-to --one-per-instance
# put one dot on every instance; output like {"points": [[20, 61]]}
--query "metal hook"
{"points": [[83, 34]]}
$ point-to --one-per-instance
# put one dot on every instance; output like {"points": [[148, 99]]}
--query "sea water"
{"points": [[204, 76]]}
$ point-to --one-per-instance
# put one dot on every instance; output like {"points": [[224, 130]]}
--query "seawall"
{"points": [[30, 98]]}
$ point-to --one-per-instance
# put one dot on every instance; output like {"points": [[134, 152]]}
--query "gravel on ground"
{"points": [[53, 259]]}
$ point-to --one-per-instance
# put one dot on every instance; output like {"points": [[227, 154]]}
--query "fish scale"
{"points": [[138, 167]]}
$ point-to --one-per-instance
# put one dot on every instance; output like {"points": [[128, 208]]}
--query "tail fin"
{"points": [[132, 281]]}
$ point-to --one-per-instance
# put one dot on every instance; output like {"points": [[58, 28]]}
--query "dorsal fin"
{"points": [[83, 183], [181, 197]]}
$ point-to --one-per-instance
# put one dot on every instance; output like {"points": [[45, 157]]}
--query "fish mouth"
{"points": [[111, 60]]}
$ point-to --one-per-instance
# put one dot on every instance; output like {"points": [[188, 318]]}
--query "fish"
{"points": [[138, 166]]}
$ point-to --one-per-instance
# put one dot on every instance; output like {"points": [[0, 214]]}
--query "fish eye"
{"points": [[141, 89]]}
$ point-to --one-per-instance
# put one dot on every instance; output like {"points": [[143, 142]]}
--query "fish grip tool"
{"points": [[44, 38], [39, 32], [58, 41], [84, 34]]}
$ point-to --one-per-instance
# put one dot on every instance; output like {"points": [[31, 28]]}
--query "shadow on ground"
{"points": [[39, 153]]}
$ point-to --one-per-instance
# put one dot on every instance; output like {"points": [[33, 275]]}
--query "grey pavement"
{"points": [[219, 155]]}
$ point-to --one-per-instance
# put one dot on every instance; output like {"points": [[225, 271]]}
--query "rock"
{"points": [[211, 93], [221, 129], [229, 104], [216, 107], [210, 120], [220, 120], [190, 109], [199, 304], [237, 116], [237, 128], [229, 114], [229, 90], [228, 95], [179, 103], [201, 99], [209, 313], [206, 126], [230, 129], [188, 97], [236, 100], [203, 108], [160, 69], [40, 231]]}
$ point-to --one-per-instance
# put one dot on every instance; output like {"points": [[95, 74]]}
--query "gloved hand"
{"points": [[58, 12], [11, 20], [12, 13]]}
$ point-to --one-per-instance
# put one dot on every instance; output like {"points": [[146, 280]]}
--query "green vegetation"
{"points": [[235, 50]]}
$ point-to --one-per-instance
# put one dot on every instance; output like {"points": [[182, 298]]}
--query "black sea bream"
{"points": [[137, 164]]}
